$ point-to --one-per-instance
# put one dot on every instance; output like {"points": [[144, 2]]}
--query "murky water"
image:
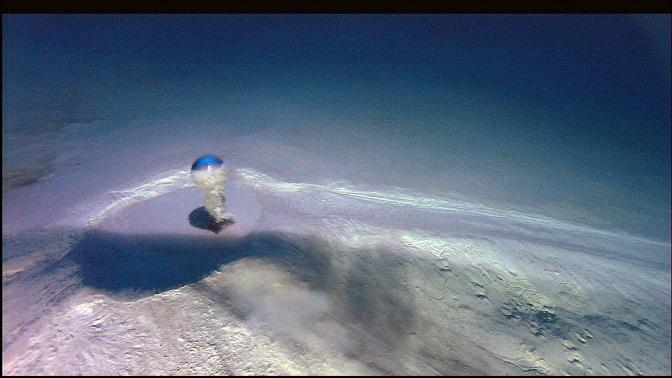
{"points": [[417, 184]]}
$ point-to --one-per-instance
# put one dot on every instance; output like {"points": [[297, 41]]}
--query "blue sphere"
{"points": [[207, 162]]}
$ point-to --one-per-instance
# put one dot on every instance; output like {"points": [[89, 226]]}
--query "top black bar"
{"points": [[317, 6]]}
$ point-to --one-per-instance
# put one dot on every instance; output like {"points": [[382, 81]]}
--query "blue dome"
{"points": [[207, 162]]}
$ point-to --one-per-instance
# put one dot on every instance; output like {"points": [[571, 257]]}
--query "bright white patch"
{"points": [[264, 182], [212, 181], [169, 182], [179, 179]]}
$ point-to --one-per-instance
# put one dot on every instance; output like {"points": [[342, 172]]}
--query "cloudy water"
{"points": [[412, 194], [564, 115]]}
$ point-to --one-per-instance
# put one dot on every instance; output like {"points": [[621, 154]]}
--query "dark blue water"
{"points": [[567, 115]]}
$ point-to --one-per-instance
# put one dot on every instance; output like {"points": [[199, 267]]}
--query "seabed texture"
{"points": [[330, 279], [411, 194]]}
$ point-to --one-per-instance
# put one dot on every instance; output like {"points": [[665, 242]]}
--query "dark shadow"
{"points": [[366, 287], [152, 263], [200, 218], [29, 175], [372, 291]]}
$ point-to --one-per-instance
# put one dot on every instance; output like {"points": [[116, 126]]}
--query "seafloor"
{"points": [[328, 279], [412, 194]]}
